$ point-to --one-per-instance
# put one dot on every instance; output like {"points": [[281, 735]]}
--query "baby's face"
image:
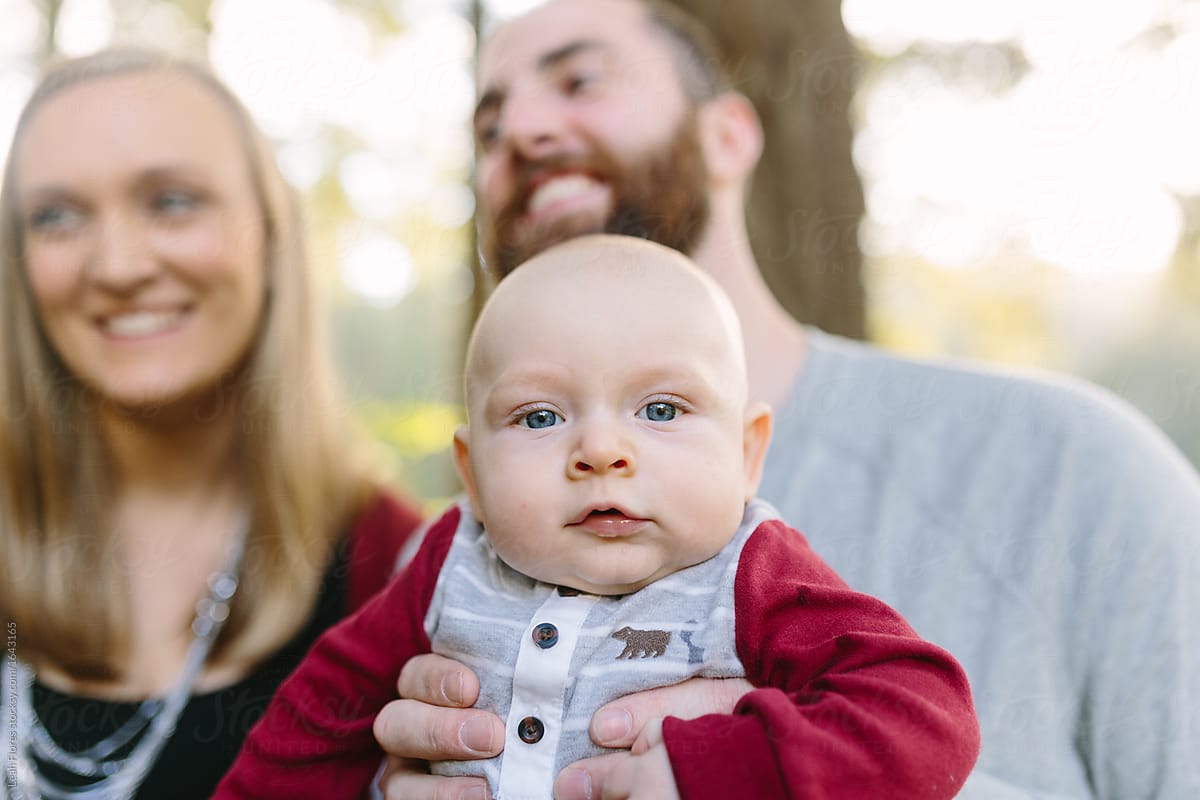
{"points": [[606, 444]]}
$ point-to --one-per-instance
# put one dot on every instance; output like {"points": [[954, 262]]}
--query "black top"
{"points": [[211, 727]]}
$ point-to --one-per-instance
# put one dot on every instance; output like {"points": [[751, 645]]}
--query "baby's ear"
{"points": [[462, 463], [755, 440]]}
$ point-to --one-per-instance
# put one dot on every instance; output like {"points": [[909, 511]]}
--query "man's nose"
{"points": [[533, 124]]}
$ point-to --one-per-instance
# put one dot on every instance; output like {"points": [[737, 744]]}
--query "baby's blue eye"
{"points": [[659, 412], [542, 418]]}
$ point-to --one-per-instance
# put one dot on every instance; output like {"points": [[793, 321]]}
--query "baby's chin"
{"points": [[612, 582], [605, 589]]}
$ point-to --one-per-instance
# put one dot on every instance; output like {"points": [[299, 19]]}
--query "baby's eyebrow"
{"points": [[514, 387], [673, 375]]}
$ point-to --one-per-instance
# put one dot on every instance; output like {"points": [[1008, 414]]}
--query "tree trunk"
{"points": [[796, 63], [48, 49]]}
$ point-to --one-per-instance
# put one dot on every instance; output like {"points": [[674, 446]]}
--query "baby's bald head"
{"points": [[596, 292]]}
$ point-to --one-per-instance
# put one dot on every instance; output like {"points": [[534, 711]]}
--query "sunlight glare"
{"points": [[376, 266], [378, 187], [303, 161], [21, 32], [451, 205], [290, 84], [1076, 163], [1104, 225], [84, 26], [1178, 160], [15, 87], [894, 26], [503, 9], [1064, 32], [422, 83]]}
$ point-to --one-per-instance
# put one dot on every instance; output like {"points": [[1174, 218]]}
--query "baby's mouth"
{"points": [[610, 522]]}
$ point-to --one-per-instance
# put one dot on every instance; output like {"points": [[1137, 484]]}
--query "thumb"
{"points": [[584, 780], [619, 723]]}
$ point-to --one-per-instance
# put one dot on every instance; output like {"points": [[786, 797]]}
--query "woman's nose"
{"points": [[122, 257]]}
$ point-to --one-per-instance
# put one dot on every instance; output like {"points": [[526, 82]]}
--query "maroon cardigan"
{"points": [[852, 703]]}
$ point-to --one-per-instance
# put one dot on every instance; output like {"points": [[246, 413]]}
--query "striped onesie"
{"points": [[850, 702]]}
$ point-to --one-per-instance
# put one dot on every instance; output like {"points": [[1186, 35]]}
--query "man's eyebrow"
{"points": [[493, 96], [560, 54]]}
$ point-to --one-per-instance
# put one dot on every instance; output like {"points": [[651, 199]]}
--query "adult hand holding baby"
{"points": [[434, 721]]}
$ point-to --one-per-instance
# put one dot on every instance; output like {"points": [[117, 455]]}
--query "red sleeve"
{"points": [[375, 541], [853, 703], [316, 740]]}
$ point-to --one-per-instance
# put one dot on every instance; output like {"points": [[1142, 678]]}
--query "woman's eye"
{"points": [[53, 219], [174, 202], [542, 418], [487, 134], [659, 412]]}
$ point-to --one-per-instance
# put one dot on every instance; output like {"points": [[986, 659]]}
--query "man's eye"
{"points": [[542, 418], [659, 412], [578, 82]]}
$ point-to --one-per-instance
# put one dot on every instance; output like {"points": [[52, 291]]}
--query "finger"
{"points": [[646, 777], [585, 779], [650, 736], [619, 723], [619, 783], [438, 680], [619, 780], [405, 780], [411, 729]]}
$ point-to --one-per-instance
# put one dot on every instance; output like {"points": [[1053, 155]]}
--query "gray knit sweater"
{"points": [[1038, 529]]}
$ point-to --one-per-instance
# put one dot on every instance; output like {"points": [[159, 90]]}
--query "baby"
{"points": [[612, 543]]}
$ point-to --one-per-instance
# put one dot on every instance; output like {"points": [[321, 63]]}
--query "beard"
{"points": [[661, 196]]}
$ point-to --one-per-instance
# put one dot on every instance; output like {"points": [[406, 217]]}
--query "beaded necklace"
{"points": [[101, 774]]}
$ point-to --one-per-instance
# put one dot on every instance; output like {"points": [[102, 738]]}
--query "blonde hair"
{"points": [[62, 586]]}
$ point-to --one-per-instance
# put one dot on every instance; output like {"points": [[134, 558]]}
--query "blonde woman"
{"points": [[182, 509]]}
